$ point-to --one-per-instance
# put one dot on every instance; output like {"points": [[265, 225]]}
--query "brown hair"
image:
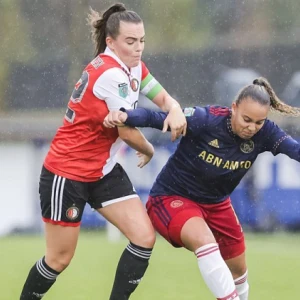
{"points": [[108, 24], [262, 92]]}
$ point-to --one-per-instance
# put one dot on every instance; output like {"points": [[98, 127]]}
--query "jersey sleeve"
{"points": [[197, 119], [150, 87], [290, 147], [278, 141], [142, 117], [112, 87]]}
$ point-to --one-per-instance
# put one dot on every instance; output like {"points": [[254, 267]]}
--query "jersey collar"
{"points": [[115, 57]]}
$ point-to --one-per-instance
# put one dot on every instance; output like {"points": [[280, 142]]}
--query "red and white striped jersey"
{"points": [[83, 149]]}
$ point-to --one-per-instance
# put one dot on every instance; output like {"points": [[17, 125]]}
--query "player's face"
{"points": [[129, 44], [248, 118]]}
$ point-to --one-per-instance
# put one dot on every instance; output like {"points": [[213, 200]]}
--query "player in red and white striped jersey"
{"points": [[81, 165]]}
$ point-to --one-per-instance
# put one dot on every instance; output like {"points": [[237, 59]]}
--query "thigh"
{"points": [[169, 214], [131, 218], [60, 240], [224, 224], [112, 188], [62, 200]]}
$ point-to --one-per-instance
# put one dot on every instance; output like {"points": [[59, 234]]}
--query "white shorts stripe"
{"points": [[109, 202], [57, 197], [52, 197], [61, 198], [56, 205]]}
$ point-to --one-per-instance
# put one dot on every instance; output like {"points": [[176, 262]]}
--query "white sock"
{"points": [[216, 273], [242, 286]]}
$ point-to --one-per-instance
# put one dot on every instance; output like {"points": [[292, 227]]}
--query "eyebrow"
{"points": [[133, 38], [245, 116]]}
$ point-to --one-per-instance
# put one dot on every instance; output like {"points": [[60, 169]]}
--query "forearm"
{"points": [[165, 102], [142, 117], [291, 148], [136, 140]]}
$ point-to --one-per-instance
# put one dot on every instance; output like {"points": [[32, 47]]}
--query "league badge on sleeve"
{"points": [[189, 111], [123, 90]]}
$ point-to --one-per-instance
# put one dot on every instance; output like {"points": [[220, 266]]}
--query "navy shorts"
{"points": [[63, 200]]}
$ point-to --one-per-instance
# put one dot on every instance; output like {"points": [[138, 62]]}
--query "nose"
{"points": [[251, 127], [140, 47]]}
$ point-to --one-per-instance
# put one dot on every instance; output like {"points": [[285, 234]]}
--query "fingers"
{"points": [[184, 129], [166, 124], [113, 119]]}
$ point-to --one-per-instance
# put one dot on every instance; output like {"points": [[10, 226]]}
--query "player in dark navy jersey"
{"points": [[189, 203]]}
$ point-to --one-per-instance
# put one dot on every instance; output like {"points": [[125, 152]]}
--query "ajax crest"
{"points": [[247, 146]]}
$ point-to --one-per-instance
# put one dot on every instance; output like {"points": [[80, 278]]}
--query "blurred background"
{"points": [[202, 52]]}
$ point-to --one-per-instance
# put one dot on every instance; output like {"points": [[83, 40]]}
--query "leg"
{"points": [[60, 247], [229, 235], [130, 217], [61, 204], [181, 222], [238, 268], [197, 237]]}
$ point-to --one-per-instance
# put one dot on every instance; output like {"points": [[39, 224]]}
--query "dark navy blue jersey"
{"points": [[211, 160]]}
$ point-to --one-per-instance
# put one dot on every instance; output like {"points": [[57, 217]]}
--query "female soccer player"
{"points": [[81, 167], [189, 203]]}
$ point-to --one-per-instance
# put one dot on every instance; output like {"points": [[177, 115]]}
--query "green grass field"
{"points": [[273, 261]]}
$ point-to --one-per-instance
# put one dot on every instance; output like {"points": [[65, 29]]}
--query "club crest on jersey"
{"points": [[134, 84], [247, 146], [189, 111], [176, 203], [123, 90], [72, 213]]}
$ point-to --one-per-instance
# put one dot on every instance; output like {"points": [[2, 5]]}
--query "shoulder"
{"points": [[104, 65], [218, 111]]}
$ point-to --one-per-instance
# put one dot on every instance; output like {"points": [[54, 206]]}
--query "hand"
{"points": [[176, 121], [115, 118], [144, 158]]}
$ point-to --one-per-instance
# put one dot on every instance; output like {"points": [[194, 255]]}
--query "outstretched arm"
{"points": [[290, 147], [139, 117]]}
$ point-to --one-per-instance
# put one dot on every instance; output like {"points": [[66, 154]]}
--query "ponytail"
{"points": [[108, 24]]}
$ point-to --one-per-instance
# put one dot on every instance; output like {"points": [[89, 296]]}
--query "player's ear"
{"points": [[233, 107], [110, 42]]}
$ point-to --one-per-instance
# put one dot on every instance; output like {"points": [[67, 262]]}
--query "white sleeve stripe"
{"points": [[149, 86]]}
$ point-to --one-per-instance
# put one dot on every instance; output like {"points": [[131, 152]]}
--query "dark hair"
{"points": [[262, 92], [108, 24]]}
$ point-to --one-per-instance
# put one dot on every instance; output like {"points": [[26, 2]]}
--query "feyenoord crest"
{"points": [[72, 213], [247, 146], [134, 84], [123, 90]]}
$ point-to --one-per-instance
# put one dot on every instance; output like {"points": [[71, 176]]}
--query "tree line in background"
{"points": [[46, 32]]}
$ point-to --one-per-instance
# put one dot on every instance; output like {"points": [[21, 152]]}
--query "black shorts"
{"points": [[63, 200]]}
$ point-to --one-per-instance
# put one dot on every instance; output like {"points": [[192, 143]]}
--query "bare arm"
{"points": [[175, 119], [136, 140]]}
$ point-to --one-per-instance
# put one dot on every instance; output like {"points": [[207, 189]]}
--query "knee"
{"points": [[239, 271], [145, 239], [58, 261]]}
